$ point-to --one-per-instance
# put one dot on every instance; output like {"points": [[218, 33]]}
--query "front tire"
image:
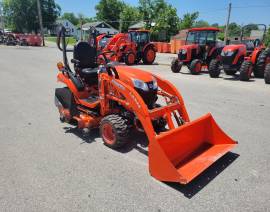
{"points": [[176, 66], [246, 70], [195, 67], [214, 68], [149, 56], [115, 131], [267, 74], [130, 59], [261, 64]]}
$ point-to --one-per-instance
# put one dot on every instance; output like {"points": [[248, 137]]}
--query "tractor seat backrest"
{"points": [[86, 54], [250, 46]]}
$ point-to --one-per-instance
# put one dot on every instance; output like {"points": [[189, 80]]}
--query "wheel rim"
{"points": [[150, 55], [131, 59], [198, 67], [108, 134]]}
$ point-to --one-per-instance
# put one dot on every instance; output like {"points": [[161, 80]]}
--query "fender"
{"points": [[151, 45], [67, 81], [255, 55]]}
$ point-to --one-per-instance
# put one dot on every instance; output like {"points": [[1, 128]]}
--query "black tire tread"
{"points": [[121, 128], [144, 58], [192, 66], [267, 74], [126, 59], [176, 66], [214, 69], [244, 71], [260, 65]]}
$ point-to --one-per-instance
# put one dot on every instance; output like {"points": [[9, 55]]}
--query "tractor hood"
{"points": [[231, 48], [187, 47], [128, 74]]}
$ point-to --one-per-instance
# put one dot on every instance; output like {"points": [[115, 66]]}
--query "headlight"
{"points": [[184, 51], [155, 84], [140, 84], [227, 53]]}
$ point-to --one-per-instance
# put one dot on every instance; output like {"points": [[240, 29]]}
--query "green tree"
{"points": [[109, 11], [129, 16], [146, 8], [189, 20], [22, 15], [163, 15], [166, 20], [234, 29], [267, 38], [71, 17], [201, 23]]}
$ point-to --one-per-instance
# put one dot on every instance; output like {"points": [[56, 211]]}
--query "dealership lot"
{"points": [[50, 166]]}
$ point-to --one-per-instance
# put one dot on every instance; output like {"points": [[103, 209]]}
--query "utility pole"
{"points": [[40, 22], [228, 22]]}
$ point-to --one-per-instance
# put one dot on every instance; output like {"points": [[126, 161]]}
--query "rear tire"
{"points": [[115, 131], [267, 74], [246, 70], [195, 67], [214, 68], [176, 66], [149, 56], [262, 61]]}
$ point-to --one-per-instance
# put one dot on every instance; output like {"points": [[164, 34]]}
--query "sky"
{"points": [[243, 11]]}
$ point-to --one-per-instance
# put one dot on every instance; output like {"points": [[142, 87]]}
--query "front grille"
{"points": [[228, 60], [182, 56]]}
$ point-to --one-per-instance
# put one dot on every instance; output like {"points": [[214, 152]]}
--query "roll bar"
{"points": [[242, 30], [62, 46]]}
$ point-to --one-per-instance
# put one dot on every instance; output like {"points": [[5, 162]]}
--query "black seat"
{"points": [[250, 46], [86, 66]]}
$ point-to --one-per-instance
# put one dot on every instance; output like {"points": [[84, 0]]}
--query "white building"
{"points": [[101, 27], [71, 29]]}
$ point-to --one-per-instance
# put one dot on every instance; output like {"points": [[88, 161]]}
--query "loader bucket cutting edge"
{"points": [[183, 153]]}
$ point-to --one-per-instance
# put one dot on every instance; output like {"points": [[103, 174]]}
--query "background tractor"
{"points": [[200, 50], [244, 55], [131, 47]]}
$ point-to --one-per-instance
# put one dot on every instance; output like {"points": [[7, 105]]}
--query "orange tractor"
{"points": [[131, 47], [117, 99], [247, 56], [201, 51]]}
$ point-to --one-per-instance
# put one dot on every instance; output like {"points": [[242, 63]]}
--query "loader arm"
{"points": [[182, 152]]}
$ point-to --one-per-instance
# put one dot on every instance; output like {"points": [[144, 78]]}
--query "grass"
{"points": [[69, 40]]}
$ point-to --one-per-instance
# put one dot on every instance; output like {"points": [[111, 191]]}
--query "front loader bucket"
{"points": [[181, 154]]}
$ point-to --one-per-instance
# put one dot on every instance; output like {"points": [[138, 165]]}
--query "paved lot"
{"points": [[48, 166]]}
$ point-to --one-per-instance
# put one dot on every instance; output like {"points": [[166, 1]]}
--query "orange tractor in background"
{"points": [[201, 51], [117, 99], [130, 48], [247, 56]]}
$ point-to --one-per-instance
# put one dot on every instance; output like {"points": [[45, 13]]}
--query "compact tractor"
{"points": [[118, 99], [131, 47], [246, 56], [201, 50]]}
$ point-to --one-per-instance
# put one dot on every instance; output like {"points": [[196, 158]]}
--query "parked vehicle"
{"points": [[131, 47], [201, 50], [243, 57], [117, 99]]}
